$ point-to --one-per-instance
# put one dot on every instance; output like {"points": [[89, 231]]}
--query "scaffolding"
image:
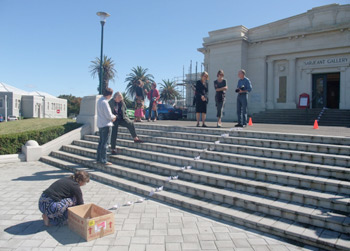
{"points": [[186, 85]]}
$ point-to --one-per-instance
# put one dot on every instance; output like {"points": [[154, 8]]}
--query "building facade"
{"points": [[308, 53], [31, 104]]}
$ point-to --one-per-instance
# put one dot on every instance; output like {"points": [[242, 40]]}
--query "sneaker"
{"points": [[204, 125], [197, 125], [219, 125], [239, 125], [245, 125]]}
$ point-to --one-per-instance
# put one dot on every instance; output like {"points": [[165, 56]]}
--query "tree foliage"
{"points": [[109, 72], [128, 102], [136, 74], [73, 104], [168, 91]]}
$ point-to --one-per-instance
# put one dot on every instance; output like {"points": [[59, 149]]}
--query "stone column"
{"points": [[291, 84], [344, 86], [270, 86], [88, 112]]}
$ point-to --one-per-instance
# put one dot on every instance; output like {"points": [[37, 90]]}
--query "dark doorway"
{"points": [[326, 90]]}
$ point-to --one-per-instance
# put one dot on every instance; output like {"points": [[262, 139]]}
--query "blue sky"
{"points": [[48, 45]]}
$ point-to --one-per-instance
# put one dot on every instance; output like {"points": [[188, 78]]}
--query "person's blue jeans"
{"points": [[242, 103], [103, 143]]}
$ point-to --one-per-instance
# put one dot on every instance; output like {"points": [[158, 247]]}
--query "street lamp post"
{"points": [[103, 16]]}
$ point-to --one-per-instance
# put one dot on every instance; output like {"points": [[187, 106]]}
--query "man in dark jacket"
{"points": [[118, 108]]}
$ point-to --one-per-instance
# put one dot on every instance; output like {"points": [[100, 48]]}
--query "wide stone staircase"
{"points": [[326, 117], [289, 185]]}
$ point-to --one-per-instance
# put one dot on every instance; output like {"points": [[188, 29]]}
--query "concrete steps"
{"points": [[279, 144], [246, 201], [299, 200], [306, 138], [284, 178], [302, 167], [330, 117], [313, 198], [312, 157]]}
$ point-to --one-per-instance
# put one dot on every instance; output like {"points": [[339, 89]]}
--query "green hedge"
{"points": [[12, 143]]}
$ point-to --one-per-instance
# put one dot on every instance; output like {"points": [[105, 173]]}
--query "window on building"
{"points": [[282, 90], [19, 104], [1, 103], [15, 103]]}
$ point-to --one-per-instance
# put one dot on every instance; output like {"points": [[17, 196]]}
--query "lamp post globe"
{"points": [[103, 16]]}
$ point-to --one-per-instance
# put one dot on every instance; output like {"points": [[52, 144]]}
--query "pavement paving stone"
{"points": [[205, 245], [142, 226]]}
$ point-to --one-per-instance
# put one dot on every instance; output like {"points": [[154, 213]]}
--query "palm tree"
{"points": [[168, 91], [128, 102], [138, 73], [108, 71]]}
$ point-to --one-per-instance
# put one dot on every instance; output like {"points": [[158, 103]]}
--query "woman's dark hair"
{"points": [[82, 176], [220, 72], [139, 82]]}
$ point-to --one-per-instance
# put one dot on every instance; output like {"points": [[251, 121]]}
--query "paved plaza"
{"points": [[142, 226]]}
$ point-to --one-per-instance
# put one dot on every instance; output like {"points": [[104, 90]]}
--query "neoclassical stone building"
{"points": [[308, 53]]}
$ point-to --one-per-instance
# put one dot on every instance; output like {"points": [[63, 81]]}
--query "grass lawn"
{"points": [[30, 125]]}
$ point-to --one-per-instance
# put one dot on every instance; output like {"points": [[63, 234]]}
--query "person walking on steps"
{"points": [[118, 108], [220, 88], [153, 97], [243, 88], [202, 98]]}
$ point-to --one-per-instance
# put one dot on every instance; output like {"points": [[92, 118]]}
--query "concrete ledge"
{"points": [[34, 152], [10, 158]]}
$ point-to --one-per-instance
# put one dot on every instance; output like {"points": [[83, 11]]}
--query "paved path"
{"points": [[143, 226], [296, 129]]}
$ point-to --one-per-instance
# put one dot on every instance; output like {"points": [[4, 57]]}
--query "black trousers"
{"points": [[125, 123]]}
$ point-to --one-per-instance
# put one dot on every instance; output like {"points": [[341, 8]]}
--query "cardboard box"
{"points": [[90, 221]]}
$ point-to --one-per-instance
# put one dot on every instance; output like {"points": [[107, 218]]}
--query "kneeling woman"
{"points": [[62, 194]]}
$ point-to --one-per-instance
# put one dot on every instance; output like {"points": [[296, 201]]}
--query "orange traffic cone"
{"points": [[316, 124], [250, 123]]}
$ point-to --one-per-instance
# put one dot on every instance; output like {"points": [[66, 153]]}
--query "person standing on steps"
{"points": [[118, 108], [105, 119], [63, 193], [243, 88], [202, 98], [153, 97], [220, 88]]}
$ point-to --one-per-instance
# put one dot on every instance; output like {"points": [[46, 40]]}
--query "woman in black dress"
{"points": [[202, 98]]}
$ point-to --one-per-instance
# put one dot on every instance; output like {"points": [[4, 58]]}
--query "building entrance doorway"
{"points": [[326, 90]]}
